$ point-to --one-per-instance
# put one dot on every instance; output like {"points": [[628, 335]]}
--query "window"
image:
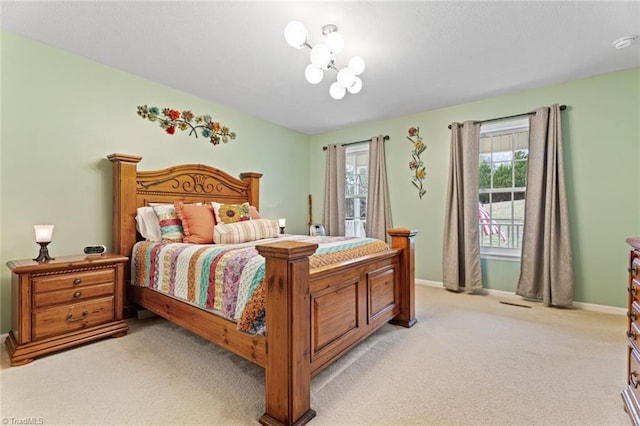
{"points": [[357, 179], [504, 150]]}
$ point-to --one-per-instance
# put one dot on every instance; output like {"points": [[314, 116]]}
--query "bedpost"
{"points": [[124, 202], [288, 306], [403, 239], [253, 179]]}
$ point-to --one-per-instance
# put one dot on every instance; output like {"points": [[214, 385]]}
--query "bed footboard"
{"points": [[314, 318]]}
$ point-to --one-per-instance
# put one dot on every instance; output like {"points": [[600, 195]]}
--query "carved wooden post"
{"points": [[288, 334], [124, 202], [403, 238], [253, 179]]}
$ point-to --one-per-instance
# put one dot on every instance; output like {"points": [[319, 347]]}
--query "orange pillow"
{"points": [[253, 212], [197, 222]]}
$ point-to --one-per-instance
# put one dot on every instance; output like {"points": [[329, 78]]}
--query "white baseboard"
{"points": [[579, 305]]}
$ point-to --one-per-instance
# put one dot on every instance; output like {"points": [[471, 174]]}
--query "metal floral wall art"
{"points": [[172, 119], [416, 165]]}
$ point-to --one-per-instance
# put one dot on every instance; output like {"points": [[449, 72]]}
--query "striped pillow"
{"points": [[170, 224], [248, 230]]}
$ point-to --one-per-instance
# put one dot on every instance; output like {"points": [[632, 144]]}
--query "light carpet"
{"points": [[470, 360]]}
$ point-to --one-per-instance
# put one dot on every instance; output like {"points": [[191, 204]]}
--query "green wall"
{"points": [[601, 133], [62, 115]]}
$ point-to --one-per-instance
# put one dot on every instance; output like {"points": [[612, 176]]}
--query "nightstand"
{"points": [[64, 302]]}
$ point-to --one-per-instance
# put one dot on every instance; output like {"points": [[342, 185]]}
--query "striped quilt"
{"points": [[228, 279]]}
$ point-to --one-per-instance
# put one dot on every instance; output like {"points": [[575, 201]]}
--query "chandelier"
{"points": [[323, 58]]}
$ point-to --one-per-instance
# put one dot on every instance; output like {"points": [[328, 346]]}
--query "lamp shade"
{"points": [[334, 42], [337, 91], [356, 86], [282, 222], [43, 233], [320, 56], [356, 64], [313, 74], [296, 34], [346, 77]]}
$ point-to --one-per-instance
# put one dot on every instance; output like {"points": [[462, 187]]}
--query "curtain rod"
{"points": [[562, 108], [386, 138]]}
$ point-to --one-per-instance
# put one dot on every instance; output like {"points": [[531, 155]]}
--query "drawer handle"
{"points": [[632, 290], [631, 334], [633, 270], [632, 382], [77, 281], [70, 317], [77, 294]]}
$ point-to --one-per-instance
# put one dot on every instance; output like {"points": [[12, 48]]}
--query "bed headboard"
{"points": [[191, 183]]}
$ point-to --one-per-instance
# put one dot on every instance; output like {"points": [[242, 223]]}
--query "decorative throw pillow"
{"points": [[197, 222], [147, 224], [253, 212], [248, 230], [231, 213], [170, 224]]}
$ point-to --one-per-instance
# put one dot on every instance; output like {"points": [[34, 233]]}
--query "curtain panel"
{"points": [[378, 204], [546, 267], [333, 216], [461, 246]]}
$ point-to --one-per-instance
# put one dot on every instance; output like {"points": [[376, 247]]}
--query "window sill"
{"points": [[506, 255]]}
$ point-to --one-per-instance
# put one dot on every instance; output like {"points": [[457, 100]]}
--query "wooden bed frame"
{"points": [[312, 317]]}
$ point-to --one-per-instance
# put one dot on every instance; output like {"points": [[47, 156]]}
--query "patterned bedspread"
{"points": [[229, 279]]}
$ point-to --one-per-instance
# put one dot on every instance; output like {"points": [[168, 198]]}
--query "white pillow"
{"points": [[147, 224], [247, 230]]}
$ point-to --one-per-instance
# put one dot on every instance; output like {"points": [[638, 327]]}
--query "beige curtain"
{"points": [[378, 205], [546, 268], [461, 248], [333, 217]]}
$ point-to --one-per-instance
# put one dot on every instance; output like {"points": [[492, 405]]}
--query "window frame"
{"points": [[494, 129], [351, 151]]}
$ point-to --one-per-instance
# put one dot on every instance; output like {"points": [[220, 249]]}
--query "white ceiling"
{"points": [[419, 55]]}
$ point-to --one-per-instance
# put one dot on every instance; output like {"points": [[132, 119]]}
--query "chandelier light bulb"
{"points": [[336, 91], [356, 64], [320, 56], [356, 86], [334, 42], [346, 77], [296, 34], [313, 74]]}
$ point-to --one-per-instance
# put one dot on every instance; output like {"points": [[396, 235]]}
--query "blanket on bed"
{"points": [[229, 279]]}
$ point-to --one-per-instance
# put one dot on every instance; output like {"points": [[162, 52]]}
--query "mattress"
{"points": [[228, 279]]}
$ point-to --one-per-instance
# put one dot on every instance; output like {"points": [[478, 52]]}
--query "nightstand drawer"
{"points": [[72, 280], [67, 318], [74, 295]]}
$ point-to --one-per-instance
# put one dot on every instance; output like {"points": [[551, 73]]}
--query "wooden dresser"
{"points": [[631, 394], [64, 302]]}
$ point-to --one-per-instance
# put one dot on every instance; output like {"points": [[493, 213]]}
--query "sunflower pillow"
{"points": [[231, 213]]}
